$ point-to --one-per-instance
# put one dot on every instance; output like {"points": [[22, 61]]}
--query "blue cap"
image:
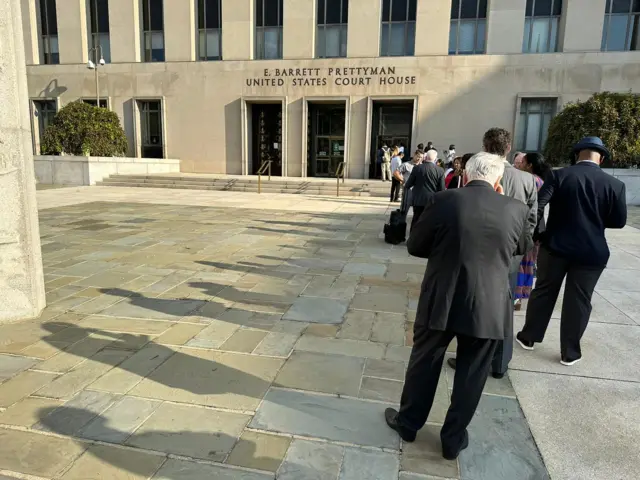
{"points": [[592, 143]]}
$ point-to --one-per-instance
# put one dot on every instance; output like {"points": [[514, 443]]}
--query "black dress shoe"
{"points": [[451, 362], [391, 416], [498, 375], [453, 454]]}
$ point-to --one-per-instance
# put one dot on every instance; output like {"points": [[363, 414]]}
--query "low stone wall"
{"points": [[69, 170], [631, 178]]}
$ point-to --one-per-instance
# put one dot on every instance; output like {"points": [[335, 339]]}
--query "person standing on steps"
{"points": [[396, 187], [425, 181], [387, 155], [522, 186], [583, 201], [463, 296]]}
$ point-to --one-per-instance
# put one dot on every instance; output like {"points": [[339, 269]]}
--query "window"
{"points": [[49, 29], [153, 27], [533, 124], [92, 101], [269, 29], [99, 13], [333, 17], [151, 128], [45, 111], [468, 27], [621, 30], [209, 29], [541, 26], [398, 28]]}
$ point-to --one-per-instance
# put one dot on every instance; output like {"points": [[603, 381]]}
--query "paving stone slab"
{"points": [[367, 465], [354, 348], [214, 335], [11, 365], [388, 328], [179, 334], [158, 308], [217, 379], [74, 355], [23, 385], [26, 412], [277, 344], [424, 456], [104, 462], [357, 325], [372, 269], [340, 419], [311, 461], [127, 325], [320, 330], [243, 340], [259, 451], [317, 310], [322, 373], [184, 470], [35, 454], [385, 369], [380, 302], [380, 389], [193, 431], [501, 446]]}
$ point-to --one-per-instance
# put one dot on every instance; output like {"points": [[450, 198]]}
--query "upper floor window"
{"points": [[398, 28], [92, 101], [269, 29], [621, 30], [533, 123], [209, 29], [153, 28], [468, 27], [99, 13], [49, 29], [541, 26], [333, 17]]}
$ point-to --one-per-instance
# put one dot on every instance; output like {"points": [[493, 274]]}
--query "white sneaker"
{"points": [[568, 363]]}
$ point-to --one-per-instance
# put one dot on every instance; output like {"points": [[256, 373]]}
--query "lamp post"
{"points": [[97, 50]]}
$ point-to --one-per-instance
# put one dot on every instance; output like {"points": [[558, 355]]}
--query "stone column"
{"points": [[576, 16], [505, 26], [299, 29], [72, 31], [31, 30], [21, 278], [179, 30], [125, 31], [237, 29], [363, 32], [432, 28]]}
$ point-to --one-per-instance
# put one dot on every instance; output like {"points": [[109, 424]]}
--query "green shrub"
{"points": [[81, 129], [614, 117]]}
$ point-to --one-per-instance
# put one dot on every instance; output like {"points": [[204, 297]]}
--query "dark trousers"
{"points": [[504, 350], [576, 307], [474, 357], [396, 188], [417, 211]]}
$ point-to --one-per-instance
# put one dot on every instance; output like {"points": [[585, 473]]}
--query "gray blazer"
{"points": [[521, 186]]}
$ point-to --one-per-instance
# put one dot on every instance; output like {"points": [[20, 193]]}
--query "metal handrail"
{"points": [[339, 174], [264, 167]]}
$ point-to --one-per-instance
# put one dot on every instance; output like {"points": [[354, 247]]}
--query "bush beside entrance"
{"points": [[81, 129], [614, 117]]}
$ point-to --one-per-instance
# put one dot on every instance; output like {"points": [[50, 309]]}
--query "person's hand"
{"points": [[499, 189]]}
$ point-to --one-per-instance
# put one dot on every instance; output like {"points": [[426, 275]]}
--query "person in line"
{"points": [[520, 185], [535, 164], [396, 161], [429, 147], [425, 180], [386, 162], [450, 154], [453, 172], [583, 201], [517, 160], [402, 175], [421, 147], [458, 175], [462, 296], [401, 148]]}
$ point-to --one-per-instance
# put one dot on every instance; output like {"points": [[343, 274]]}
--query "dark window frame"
{"points": [[96, 31], [44, 115], [145, 112], [148, 33], [632, 34], [480, 17], [409, 46], [104, 102], [525, 110], [204, 29], [261, 29], [553, 15], [322, 25], [49, 32]]}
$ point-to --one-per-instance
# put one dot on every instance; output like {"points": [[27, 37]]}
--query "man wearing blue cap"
{"points": [[583, 201]]}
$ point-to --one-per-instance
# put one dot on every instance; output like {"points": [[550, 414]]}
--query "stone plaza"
{"points": [[197, 335]]}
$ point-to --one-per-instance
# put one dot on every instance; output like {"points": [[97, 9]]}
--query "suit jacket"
{"points": [[426, 180], [522, 186], [583, 201], [469, 236]]}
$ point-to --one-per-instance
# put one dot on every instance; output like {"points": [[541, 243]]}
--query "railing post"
{"points": [[259, 183], [269, 170], [338, 186]]}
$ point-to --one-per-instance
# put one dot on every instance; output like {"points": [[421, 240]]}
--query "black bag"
{"points": [[396, 230]]}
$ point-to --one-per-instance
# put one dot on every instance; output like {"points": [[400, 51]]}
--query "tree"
{"points": [[614, 117], [82, 129]]}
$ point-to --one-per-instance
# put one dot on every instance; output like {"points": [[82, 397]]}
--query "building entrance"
{"points": [[266, 137], [325, 142], [392, 124]]}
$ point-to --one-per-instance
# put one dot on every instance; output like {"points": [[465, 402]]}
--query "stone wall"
{"points": [[631, 178]]}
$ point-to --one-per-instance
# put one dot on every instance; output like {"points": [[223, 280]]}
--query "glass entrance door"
{"points": [[329, 154]]}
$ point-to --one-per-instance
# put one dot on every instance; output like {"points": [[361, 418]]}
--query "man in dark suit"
{"points": [[520, 185], [583, 201], [425, 180], [469, 236]]}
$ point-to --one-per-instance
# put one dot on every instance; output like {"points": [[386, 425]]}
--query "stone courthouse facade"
{"points": [[226, 84]]}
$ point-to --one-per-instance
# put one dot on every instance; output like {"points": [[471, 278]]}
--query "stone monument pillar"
{"points": [[21, 280]]}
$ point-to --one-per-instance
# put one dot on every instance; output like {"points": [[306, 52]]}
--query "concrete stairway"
{"points": [[307, 186]]}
